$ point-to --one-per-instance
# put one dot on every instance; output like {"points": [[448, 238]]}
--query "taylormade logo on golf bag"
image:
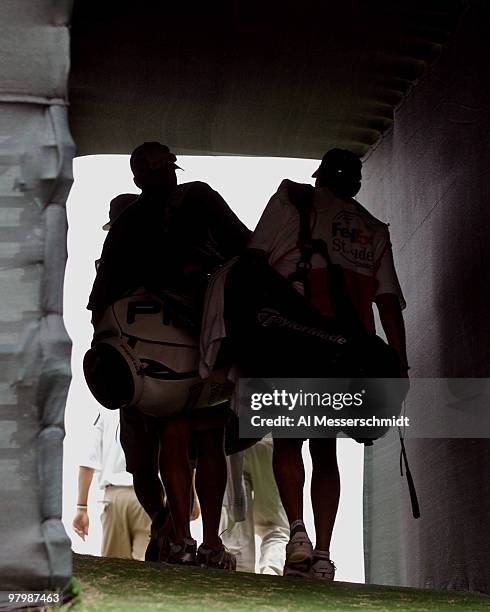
{"points": [[268, 317]]}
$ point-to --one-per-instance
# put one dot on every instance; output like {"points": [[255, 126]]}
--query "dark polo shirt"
{"points": [[167, 243]]}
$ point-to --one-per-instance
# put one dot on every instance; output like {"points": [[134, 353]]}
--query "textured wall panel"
{"points": [[34, 49], [429, 178], [35, 174]]}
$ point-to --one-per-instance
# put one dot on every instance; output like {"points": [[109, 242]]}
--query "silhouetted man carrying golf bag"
{"points": [[299, 305]]}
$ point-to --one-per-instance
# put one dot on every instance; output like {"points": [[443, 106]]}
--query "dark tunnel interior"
{"points": [[404, 85]]}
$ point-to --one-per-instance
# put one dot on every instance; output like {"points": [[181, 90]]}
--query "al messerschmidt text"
{"points": [[324, 421]]}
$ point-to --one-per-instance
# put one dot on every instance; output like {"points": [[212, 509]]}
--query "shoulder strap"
{"points": [[301, 197]]}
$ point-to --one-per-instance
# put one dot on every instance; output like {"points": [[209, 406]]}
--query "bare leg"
{"points": [[176, 473], [325, 489], [211, 482], [149, 491], [140, 442], [289, 473], [195, 506]]}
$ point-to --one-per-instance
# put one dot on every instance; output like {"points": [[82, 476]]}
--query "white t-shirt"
{"points": [[355, 239], [103, 451]]}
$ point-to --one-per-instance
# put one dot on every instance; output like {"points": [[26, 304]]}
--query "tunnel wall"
{"points": [[429, 178], [36, 151]]}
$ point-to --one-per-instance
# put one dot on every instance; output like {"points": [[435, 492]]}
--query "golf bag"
{"points": [[143, 357]]}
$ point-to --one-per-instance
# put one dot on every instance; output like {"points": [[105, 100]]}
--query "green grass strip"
{"points": [[127, 586]]}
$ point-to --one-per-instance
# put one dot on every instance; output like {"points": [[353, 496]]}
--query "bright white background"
{"points": [[246, 183]]}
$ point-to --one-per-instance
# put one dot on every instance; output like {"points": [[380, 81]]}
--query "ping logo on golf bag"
{"points": [[146, 307]]}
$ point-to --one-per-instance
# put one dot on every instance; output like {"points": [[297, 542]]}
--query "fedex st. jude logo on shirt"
{"points": [[352, 240]]}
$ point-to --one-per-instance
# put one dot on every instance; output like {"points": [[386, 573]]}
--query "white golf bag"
{"points": [[140, 359]]}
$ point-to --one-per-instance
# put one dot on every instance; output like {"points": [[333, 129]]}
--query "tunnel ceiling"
{"points": [[249, 78]]}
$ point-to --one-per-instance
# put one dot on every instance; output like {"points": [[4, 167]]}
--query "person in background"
{"points": [[116, 207], [262, 515], [125, 524]]}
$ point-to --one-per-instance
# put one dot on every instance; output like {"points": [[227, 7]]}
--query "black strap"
{"points": [[411, 485], [132, 341], [301, 196]]}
